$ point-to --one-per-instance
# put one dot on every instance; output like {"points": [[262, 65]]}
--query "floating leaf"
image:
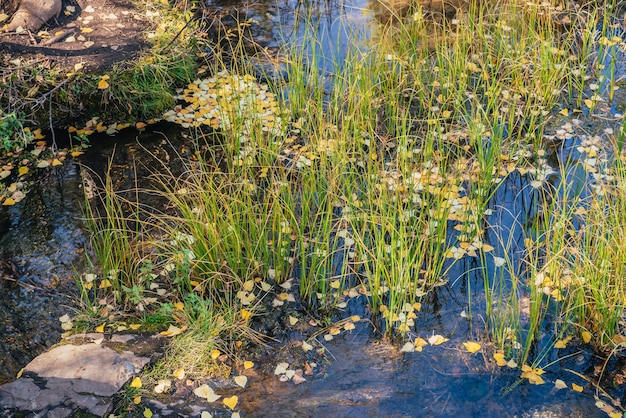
{"points": [[206, 392], [147, 413], [206, 414], [281, 368], [471, 347], [135, 383], [499, 358], [576, 387], [437, 339], [562, 343], [241, 381], [564, 112], [293, 320], [559, 384], [532, 374], [22, 171], [407, 348], [589, 103], [419, 342], [306, 346]]}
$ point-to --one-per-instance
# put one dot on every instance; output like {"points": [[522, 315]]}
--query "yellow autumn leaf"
{"points": [[564, 112], [335, 284], [576, 387], [293, 320], [56, 162], [37, 134], [437, 339], [86, 30], [22, 170], [471, 346], [140, 125], [586, 336], [104, 284], [231, 402], [147, 413], [248, 364], [499, 358], [418, 343], [559, 384], [137, 400], [9, 201], [248, 285], [562, 343], [179, 306], [134, 327], [100, 328], [215, 354], [589, 103], [171, 331], [103, 84], [136, 383], [179, 373], [245, 314]]}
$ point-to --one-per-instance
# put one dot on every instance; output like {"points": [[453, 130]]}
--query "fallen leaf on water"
{"points": [[471, 347], [559, 384], [576, 387], [562, 343], [206, 392], [407, 348], [532, 374], [135, 383], [147, 413], [349, 326], [231, 402], [293, 320], [437, 339], [206, 414], [499, 358], [419, 342], [564, 112], [241, 381]]}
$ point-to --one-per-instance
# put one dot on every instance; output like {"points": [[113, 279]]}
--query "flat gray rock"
{"points": [[85, 376]]}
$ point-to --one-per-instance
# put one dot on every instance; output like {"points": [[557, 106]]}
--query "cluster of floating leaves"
{"points": [[225, 101]]}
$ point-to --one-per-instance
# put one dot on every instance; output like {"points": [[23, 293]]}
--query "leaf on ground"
{"points": [[293, 320], [179, 306], [241, 381], [136, 383], [215, 354], [103, 84], [100, 328], [171, 331], [471, 346], [162, 386], [134, 327], [137, 400], [147, 413], [281, 368], [248, 364], [306, 346], [206, 414], [586, 336], [205, 391], [576, 387], [231, 402], [419, 342], [437, 339], [179, 373]]}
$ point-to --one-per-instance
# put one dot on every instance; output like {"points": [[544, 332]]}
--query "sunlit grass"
{"points": [[379, 178]]}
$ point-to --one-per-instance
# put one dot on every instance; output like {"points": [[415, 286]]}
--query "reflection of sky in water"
{"points": [[323, 29]]}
